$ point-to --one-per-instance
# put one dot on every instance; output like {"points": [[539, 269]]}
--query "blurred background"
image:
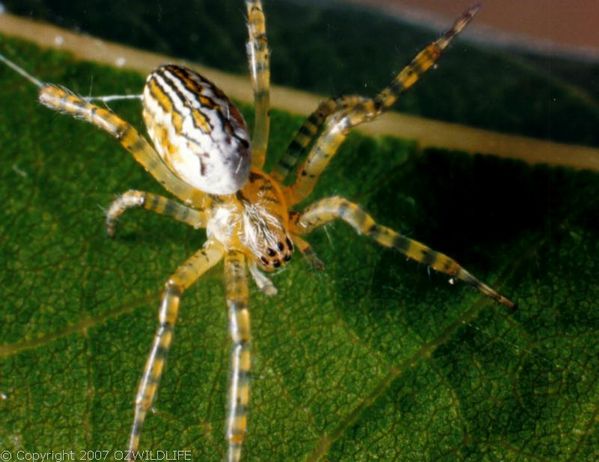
{"points": [[522, 69], [559, 27]]}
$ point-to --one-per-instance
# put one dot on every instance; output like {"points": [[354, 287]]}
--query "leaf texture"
{"points": [[375, 358]]}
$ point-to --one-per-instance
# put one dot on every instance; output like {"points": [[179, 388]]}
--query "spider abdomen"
{"points": [[196, 129]]}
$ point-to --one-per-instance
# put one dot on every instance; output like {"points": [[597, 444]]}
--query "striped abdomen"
{"points": [[197, 130]]}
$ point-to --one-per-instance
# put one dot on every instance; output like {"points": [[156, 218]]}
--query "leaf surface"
{"points": [[373, 359]]}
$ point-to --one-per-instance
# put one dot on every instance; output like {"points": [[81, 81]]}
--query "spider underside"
{"points": [[203, 155]]}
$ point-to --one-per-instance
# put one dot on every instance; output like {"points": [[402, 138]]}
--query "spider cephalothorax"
{"points": [[202, 156], [253, 221], [265, 221]]}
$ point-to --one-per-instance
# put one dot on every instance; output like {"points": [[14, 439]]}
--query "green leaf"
{"points": [[373, 359]]}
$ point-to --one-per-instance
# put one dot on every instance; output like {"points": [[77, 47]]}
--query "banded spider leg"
{"points": [[331, 208], [333, 119]]}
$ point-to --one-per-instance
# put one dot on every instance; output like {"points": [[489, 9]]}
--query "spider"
{"points": [[204, 157]]}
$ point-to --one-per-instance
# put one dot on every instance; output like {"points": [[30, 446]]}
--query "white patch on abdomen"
{"points": [[213, 156]]}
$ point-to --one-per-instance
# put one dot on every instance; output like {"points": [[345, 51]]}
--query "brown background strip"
{"points": [[428, 133]]}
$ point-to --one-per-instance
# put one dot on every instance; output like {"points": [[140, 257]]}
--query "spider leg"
{"points": [[331, 208], [308, 132], [347, 112], [63, 100], [239, 329], [306, 250], [154, 203], [184, 276], [259, 63]]}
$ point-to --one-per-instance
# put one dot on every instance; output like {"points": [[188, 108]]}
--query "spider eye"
{"points": [[280, 246], [270, 252], [264, 261], [276, 263]]}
